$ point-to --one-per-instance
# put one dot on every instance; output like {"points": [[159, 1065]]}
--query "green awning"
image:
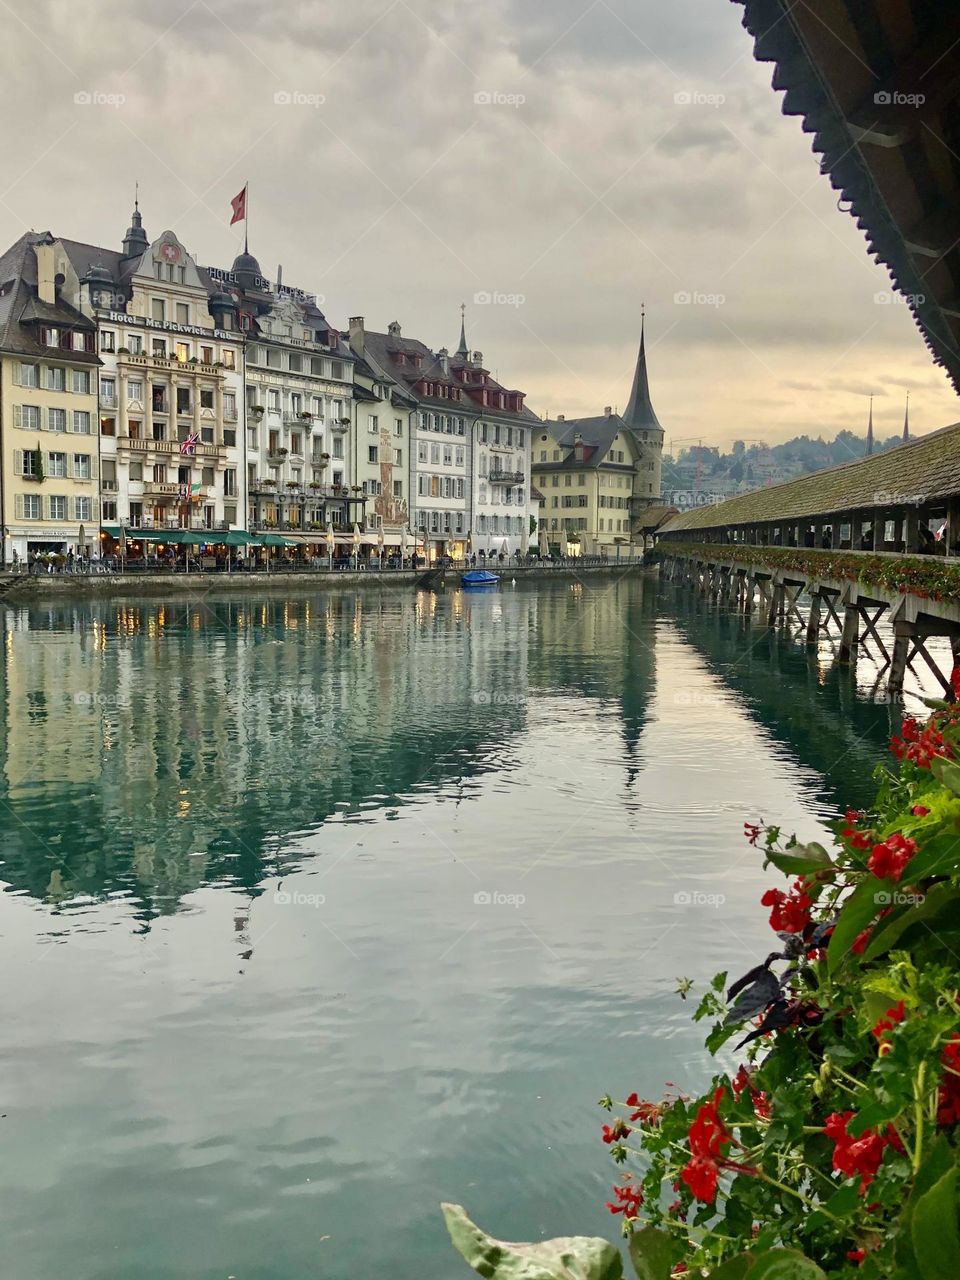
{"points": [[272, 540], [235, 538]]}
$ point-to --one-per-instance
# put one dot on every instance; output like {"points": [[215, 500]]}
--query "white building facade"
{"points": [[170, 386]]}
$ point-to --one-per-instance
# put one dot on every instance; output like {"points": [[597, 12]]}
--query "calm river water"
{"points": [[320, 909]]}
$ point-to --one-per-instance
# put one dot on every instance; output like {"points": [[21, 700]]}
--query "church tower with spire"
{"points": [[869, 448], [135, 242], [641, 419]]}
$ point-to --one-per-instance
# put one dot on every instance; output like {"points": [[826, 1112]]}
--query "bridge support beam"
{"points": [[851, 625], [813, 618]]}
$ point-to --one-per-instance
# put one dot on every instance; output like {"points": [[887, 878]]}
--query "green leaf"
{"points": [[800, 859], [651, 1252], [784, 1264], [878, 1112], [933, 1230], [947, 772], [938, 1162], [734, 1268], [566, 1258], [858, 910], [886, 934]]}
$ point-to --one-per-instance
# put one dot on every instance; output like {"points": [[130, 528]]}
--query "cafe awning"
{"points": [[271, 540]]}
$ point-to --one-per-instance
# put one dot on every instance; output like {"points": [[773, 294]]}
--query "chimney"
{"points": [[443, 355], [477, 360], [356, 334], [393, 329], [607, 410], [46, 288]]}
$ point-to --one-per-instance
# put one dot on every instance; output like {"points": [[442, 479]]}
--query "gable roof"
{"points": [[22, 311], [597, 435]]}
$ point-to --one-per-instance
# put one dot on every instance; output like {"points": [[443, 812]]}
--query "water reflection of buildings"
{"points": [[152, 748], [599, 642]]}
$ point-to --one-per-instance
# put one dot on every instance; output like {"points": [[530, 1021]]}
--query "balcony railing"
{"points": [[499, 476]]}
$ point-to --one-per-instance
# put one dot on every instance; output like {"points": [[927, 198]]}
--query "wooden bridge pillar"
{"points": [[851, 625], [813, 619], [902, 632], [775, 611]]}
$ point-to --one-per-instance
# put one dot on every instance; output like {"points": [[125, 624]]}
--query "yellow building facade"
{"points": [[48, 411], [587, 472]]}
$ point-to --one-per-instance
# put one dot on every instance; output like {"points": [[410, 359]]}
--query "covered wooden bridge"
{"points": [[876, 538]]}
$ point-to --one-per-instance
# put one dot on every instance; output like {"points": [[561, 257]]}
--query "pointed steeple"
{"points": [[135, 242], [906, 420], [639, 413], [463, 349], [870, 431]]}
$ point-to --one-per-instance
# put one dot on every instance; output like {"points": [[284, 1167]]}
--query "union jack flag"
{"points": [[190, 444]]}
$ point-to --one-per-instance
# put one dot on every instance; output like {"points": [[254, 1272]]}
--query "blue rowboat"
{"points": [[479, 578]]}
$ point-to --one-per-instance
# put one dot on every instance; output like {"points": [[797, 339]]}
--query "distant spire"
{"points": [[870, 431], [135, 241], [639, 413], [906, 420], [463, 349]]}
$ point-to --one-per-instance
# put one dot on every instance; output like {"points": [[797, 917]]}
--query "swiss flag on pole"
{"points": [[239, 206]]}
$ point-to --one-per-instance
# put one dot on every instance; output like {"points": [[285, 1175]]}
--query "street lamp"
{"points": [[380, 549]]}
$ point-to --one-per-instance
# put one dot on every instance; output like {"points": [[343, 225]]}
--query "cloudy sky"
{"points": [[567, 160]]}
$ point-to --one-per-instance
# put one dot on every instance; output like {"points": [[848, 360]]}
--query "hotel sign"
{"points": [[262, 283], [192, 330]]}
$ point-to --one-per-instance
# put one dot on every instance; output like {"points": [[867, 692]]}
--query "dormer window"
{"points": [[51, 337]]}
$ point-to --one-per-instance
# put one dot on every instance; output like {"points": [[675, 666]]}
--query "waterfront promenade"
{"points": [[17, 588]]}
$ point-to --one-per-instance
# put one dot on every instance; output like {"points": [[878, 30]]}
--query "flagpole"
{"points": [[246, 217]]}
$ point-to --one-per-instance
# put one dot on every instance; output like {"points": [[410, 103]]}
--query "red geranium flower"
{"points": [[919, 746], [645, 1111], [630, 1198], [919, 810], [791, 911], [700, 1174], [852, 1156], [948, 1100], [752, 832], [614, 1132], [889, 859]]}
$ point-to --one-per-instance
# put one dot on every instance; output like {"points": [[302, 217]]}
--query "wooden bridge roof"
{"points": [[877, 82], [920, 472]]}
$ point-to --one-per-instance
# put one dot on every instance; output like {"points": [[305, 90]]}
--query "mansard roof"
{"points": [[385, 347]]}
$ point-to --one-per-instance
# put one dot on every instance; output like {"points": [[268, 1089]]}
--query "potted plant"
{"points": [[282, 452], [306, 416], [324, 457], [269, 484], [257, 410], [123, 351], [315, 484]]}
